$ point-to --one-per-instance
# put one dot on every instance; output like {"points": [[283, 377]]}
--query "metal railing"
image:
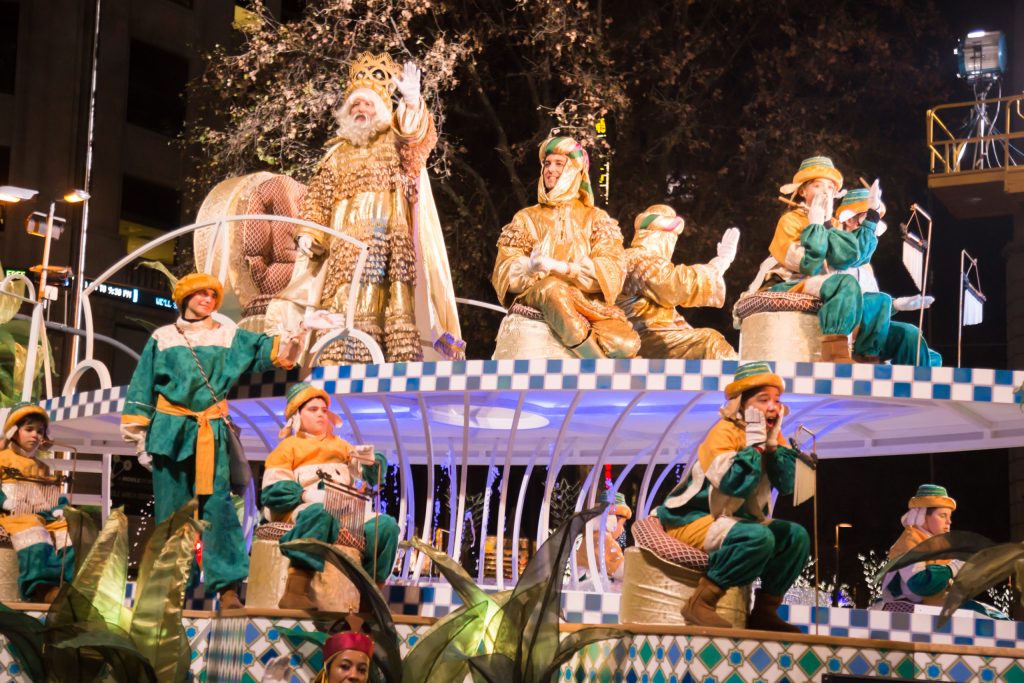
{"points": [[976, 136]]}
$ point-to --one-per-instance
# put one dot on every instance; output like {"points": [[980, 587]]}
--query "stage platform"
{"points": [[236, 647]]}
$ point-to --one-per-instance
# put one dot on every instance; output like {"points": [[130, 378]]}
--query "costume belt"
{"points": [[205, 443]]}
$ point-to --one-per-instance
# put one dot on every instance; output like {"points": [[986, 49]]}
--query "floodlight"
{"points": [[12, 194], [76, 196], [981, 55], [35, 224]]}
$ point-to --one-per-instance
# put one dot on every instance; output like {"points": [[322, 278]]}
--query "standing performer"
{"points": [[292, 492], [654, 287], [880, 338], [564, 258], [806, 255], [174, 413], [722, 505], [40, 540], [930, 513], [372, 184]]}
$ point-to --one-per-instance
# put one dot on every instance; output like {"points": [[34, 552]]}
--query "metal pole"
{"points": [[37, 312], [89, 137], [960, 319], [835, 573]]}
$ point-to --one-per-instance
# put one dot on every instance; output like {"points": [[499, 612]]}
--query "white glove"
{"points": [[409, 84], [955, 566], [875, 196], [757, 427], [820, 209], [912, 303], [545, 264], [314, 496], [773, 435], [611, 524], [726, 250], [8, 505], [880, 228], [57, 514], [278, 670], [145, 460], [304, 243]]}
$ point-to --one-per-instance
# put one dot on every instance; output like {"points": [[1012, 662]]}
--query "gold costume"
{"points": [[567, 227], [376, 194], [654, 287]]}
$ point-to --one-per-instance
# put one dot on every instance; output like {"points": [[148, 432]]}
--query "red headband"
{"points": [[347, 640]]}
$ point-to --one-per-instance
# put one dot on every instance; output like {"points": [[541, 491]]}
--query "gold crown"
{"points": [[376, 72]]}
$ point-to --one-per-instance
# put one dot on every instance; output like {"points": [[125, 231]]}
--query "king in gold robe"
{"points": [[564, 258], [654, 287], [372, 185]]}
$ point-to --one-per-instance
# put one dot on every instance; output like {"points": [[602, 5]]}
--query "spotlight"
{"points": [[10, 194], [981, 56]]}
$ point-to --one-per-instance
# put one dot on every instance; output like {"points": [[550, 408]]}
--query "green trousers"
{"points": [[225, 560], [890, 340], [40, 564], [776, 552], [315, 522]]}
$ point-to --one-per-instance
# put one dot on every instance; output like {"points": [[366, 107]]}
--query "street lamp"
{"points": [[11, 194], [835, 590]]}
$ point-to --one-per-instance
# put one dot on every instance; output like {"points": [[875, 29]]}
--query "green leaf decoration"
{"points": [[82, 533], [982, 571], [440, 653], [462, 583], [386, 654], [25, 635], [126, 664], [156, 626]]}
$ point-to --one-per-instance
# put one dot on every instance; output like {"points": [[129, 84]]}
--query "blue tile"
{"points": [[554, 367], [944, 628], [900, 621], [962, 375], [844, 370], [443, 383], [708, 383], [901, 389], [1004, 377], [372, 370], [960, 672], [587, 365], [861, 387], [985, 628], [858, 666], [943, 391], [963, 640], [920, 638], [839, 631], [760, 659], [473, 383], [823, 386], [399, 370], [922, 374], [357, 386], [880, 635], [504, 382], [692, 367], [521, 367], [251, 633], [673, 383], [604, 382], [592, 602], [859, 618], [983, 394], [1007, 643], [570, 381], [537, 382], [882, 371], [804, 370]]}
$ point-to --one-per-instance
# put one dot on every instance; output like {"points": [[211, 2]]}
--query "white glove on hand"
{"points": [[57, 514], [757, 427], [145, 460], [409, 84], [875, 196], [880, 228], [545, 264], [912, 303], [314, 496], [726, 250], [8, 505], [820, 209], [304, 243], [278, 670]]}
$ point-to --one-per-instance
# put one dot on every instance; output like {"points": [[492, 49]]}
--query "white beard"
{"points": [[359, 133]]}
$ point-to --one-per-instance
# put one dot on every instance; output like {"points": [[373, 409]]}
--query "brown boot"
{"points": [[765, 614], [869, 360], [700, 608], [45, 594], [296, 590], [588, 348], [835, 348], [229, 599]]}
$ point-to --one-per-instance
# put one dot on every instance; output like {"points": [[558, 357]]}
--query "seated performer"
{"points": [[806, 255], [174, 413], [654, 287], [618, 514], [722, 505], [292, 492], [886, 339], [564, 258], [41, 539], [930, 513]]}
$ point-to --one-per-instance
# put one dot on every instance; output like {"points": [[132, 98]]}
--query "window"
{"points": [[8, 44], [150, 204], [156, 89]]}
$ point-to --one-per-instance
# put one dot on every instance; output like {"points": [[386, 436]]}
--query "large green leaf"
{"points": [[955, 545], [575, 641], [440, 653], [99, 583], [25, 634], [386, 653], [493, 668], [982, 571], [126, 664], [81, 532], [156, 626]]}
